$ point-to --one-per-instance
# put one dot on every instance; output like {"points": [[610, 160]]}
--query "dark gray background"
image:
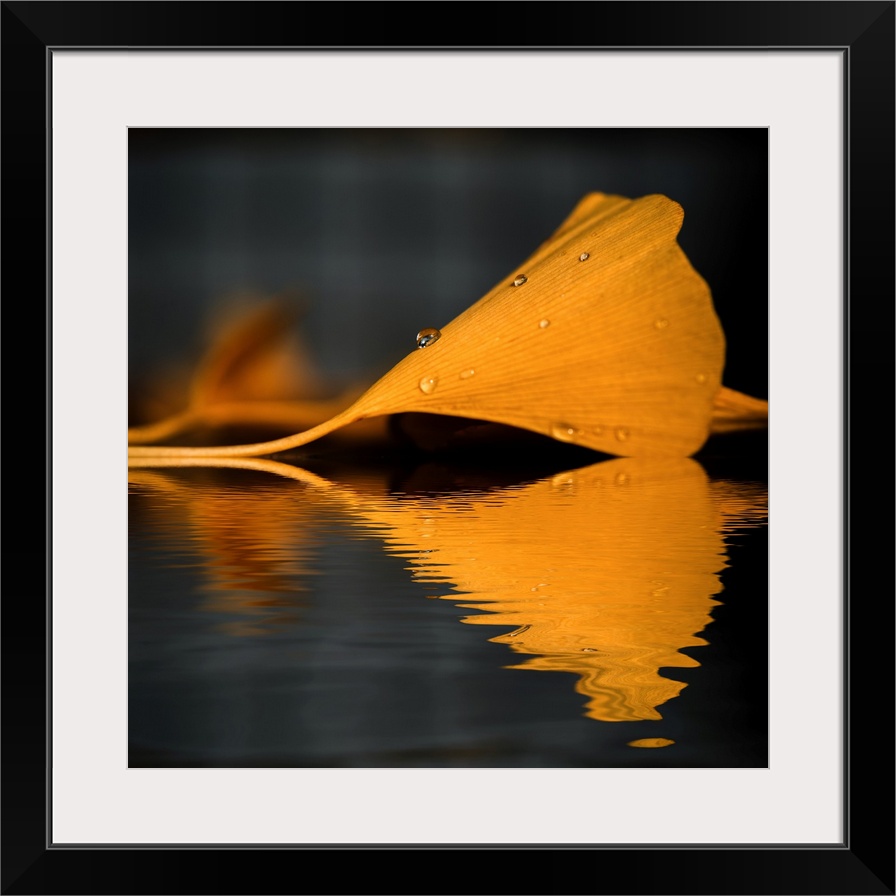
{"points": [[386, 231]]}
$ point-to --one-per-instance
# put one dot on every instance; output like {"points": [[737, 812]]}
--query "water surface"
{"points": [[611, 614]]}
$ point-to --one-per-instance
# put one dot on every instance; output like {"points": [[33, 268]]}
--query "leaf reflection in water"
{"points": [[258, 551], [607, 572]]}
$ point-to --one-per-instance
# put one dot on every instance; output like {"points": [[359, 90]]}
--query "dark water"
{"points": [[424, 613]]}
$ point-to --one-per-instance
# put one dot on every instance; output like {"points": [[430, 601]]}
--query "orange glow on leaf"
{"points": [[605, 337]]}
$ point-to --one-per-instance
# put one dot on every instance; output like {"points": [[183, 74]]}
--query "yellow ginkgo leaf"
{"points": [[605, 337], [255, 372]]}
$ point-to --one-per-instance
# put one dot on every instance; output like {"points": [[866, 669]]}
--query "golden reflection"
{"points": [[257, 550], [608, 572]]}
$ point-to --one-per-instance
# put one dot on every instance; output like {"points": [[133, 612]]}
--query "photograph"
{"points": [[571, 479]]}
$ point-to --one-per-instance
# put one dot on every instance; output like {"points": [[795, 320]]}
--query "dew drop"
{"points": [[589, 650], [427, 336], [584, 256], [661, 323], [466, 374], [564, 432], [622, 478], [544, 324], [701, 378], [428, 384], [520, 279], [622, 433]]}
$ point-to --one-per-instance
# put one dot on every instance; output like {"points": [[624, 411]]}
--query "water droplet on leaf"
{"points": [[564, 432], [427, 336], [428, 384]]}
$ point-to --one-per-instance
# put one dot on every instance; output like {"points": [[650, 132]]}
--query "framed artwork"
{"points": [[243, 231]]}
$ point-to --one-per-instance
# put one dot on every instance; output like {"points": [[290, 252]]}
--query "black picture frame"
{"points": [[864, 862]]}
